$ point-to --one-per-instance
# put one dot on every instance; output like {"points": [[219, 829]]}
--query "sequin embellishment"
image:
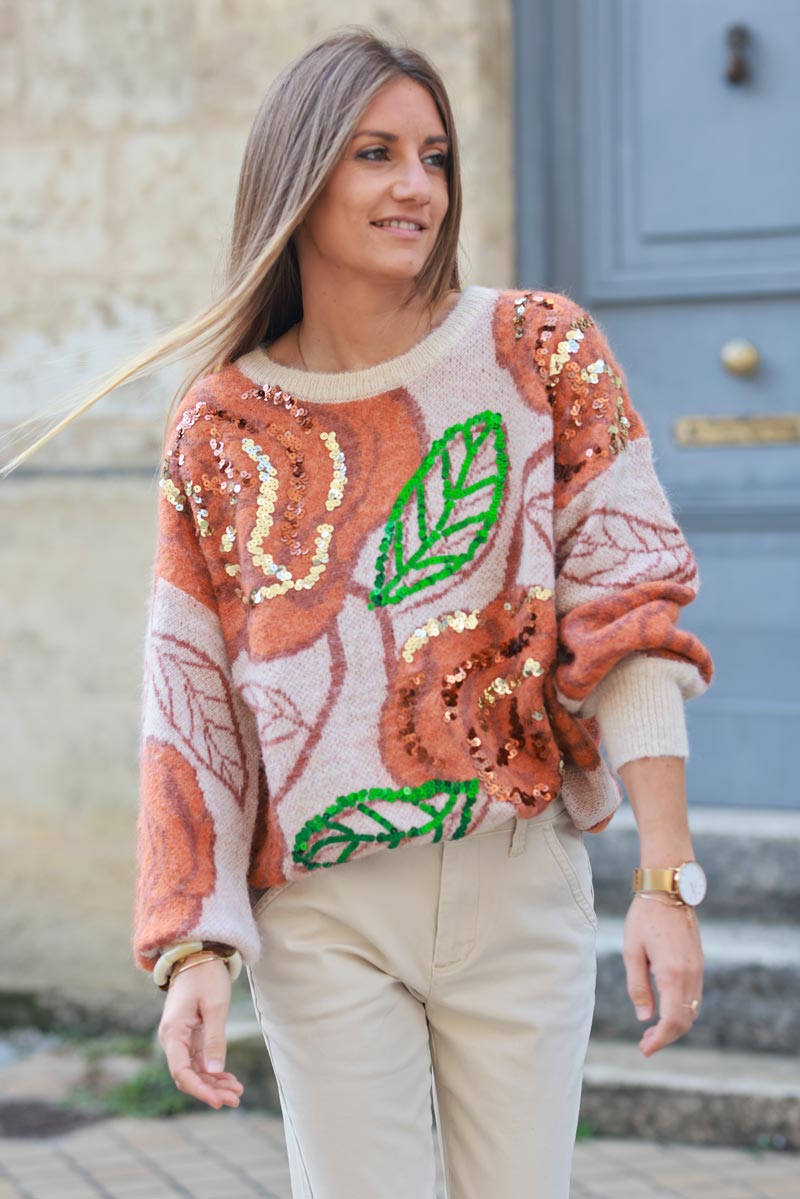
{"points": [[336, 490], [434, 558], [267, 498], [281, 399], [522, 717], [458, 621], [333, 827], [552, 364], [193, 493]]}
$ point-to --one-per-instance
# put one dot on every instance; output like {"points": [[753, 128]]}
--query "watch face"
{"points": [[691, 882]]}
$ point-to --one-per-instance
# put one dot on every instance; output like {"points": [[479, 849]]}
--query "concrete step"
{"points": [[685, 1093], [750, 856], [751, 985]]}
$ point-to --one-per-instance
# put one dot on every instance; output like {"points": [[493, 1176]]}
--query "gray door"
{"points": [[658, 182]]}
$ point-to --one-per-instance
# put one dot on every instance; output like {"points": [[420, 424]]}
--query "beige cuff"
{"points": [[639, 707]]}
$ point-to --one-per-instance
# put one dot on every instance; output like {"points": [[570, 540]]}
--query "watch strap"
{"points": [[654, 878]]}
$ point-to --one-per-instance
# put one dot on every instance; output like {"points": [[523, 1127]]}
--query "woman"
{"points": [[413, 565]]}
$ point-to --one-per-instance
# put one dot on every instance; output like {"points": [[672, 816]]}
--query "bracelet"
{"points": [[168, 960], [194, 960], [670, 903]]}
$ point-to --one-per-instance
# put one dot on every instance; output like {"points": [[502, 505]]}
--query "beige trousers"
{"points": [[468, 964]]}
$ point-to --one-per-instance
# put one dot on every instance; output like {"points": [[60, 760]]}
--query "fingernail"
{"points": [[643, 1012], [215, 1066]]}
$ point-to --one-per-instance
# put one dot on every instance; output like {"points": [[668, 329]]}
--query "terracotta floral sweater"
{"points": [[396, 604]]}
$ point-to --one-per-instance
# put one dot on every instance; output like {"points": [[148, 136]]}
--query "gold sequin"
{"points": [[336, 491], [265, 505], [457, 621], [170, 491]]}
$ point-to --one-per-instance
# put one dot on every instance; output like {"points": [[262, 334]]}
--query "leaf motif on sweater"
{"points": [[445, 511], [280, 718], [613, 549], [368, 817], [196, 700]]}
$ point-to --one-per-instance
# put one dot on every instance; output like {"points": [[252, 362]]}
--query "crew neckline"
{"points": [[342, 386]]}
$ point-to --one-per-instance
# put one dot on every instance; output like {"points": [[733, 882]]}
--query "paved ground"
{"points": [[233, 1154]]}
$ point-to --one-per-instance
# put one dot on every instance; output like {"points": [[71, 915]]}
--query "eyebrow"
{"points": [[392, 137]]}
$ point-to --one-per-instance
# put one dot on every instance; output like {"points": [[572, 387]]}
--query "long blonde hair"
{"points": [[299, 133]]}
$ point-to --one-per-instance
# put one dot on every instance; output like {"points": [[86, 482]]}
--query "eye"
{"points": [[438, 159]]}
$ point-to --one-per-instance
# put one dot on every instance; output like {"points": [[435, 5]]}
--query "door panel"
{"points": [[690, 187], [667, 200]]}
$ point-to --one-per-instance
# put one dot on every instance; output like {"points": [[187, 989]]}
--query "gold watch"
{"points": [[686, 882]]}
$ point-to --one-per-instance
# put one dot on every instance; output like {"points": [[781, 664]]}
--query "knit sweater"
{"points": [[396, 605]]}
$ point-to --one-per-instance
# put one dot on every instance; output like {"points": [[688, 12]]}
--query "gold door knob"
{"points": [[739, 357]]}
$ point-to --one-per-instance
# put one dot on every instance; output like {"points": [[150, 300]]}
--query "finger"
{"points": [[226, 1082], [637, 971], [674, 1018], [214, 1016], [230, 1079], [196, 1047], [224, 1092], [191, 1083], [177, 1046]]}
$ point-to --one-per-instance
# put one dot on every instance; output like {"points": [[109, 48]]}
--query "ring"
{"points": [[694, 1005]]}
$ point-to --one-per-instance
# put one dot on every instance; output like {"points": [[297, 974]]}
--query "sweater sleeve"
{"points": [[199, 752], [623, 568]]}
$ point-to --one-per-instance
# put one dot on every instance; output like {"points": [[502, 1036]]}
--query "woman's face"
{"points": [[395, 167]]}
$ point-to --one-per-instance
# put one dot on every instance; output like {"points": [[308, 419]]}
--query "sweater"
{"points": [[398, 604]]}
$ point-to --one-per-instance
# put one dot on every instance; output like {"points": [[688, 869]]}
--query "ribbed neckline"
{"points": [[341, 386]]}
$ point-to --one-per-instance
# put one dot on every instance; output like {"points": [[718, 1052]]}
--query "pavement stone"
{"points": [[237, 1154]]}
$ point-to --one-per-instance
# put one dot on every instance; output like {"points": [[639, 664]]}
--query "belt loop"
{"points": [[518, 840]]}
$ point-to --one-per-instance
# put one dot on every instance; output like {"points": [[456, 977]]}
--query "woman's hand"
{"points": [[661, 938], [192, 1034]]}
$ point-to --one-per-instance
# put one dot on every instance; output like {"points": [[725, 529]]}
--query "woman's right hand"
{"points": [[192, 1034]]}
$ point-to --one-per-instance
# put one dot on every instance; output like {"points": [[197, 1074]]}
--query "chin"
{"points": [[400, 270]]}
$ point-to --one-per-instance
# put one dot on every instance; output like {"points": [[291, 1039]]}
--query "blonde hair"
{"points": [[322, 93]]}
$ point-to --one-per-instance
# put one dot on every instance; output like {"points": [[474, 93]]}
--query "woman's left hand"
{"points": [[661, 939]]}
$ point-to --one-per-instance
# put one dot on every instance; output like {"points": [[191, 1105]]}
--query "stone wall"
{"points": [[124, 126]]}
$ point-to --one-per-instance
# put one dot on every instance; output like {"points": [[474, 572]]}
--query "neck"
{"points": [[348, 326]]}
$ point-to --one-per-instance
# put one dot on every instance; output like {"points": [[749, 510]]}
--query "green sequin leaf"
{"points": [[433, 802], [437, 554]]}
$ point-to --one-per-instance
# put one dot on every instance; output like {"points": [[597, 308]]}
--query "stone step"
{"points": [[751, 985], [682, 1093], [750, 856], [685, 1093]]}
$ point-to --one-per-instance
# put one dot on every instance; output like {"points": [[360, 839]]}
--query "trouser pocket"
{"points": [[565, 842]]}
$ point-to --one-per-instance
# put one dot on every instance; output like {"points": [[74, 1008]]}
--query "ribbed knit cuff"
{"points": [[639, 707]]}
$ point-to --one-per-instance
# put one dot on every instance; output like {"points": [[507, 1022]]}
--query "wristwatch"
{"points": [[687, 882]]}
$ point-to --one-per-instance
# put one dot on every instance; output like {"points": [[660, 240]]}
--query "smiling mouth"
{"points": [[411, 226]]}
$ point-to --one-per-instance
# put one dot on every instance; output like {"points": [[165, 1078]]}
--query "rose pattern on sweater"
{"points": [[176, 827]]}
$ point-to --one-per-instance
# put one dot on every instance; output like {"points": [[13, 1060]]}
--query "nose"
{"points": [[411, 181]]}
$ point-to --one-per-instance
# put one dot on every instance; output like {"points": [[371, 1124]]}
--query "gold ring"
{"points": [[694, 1005]]}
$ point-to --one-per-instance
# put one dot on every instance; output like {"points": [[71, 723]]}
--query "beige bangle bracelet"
{"points": [[188, 962], [233, 964], [170, 957]]}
